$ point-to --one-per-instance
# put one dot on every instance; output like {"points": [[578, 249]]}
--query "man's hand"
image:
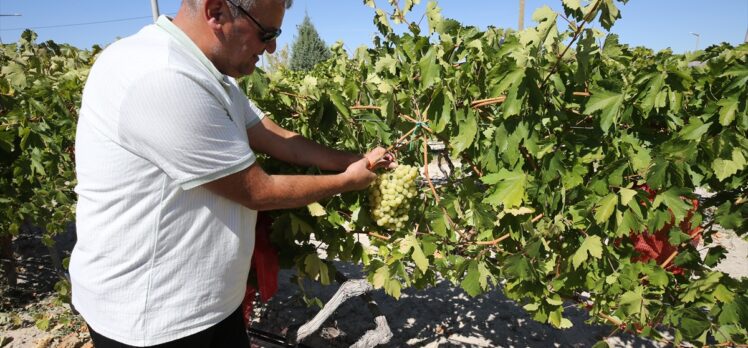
{"points": [[361, 173], [378, 157], [358, 175]]}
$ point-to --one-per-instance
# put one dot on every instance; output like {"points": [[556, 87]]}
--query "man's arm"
{"points": [[269, 138], [255, 189]]}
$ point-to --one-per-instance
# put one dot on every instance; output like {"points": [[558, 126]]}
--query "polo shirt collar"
{"points": [[183, 40]]}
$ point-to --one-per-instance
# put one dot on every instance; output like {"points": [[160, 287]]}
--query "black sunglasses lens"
{"points": [[269, 36]]}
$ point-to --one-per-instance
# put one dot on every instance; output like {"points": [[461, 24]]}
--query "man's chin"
{"points": [[243, 72]]}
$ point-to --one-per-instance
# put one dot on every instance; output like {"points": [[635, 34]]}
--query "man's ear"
{"points": [[215, 13]]}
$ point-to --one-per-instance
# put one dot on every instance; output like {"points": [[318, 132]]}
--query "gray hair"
{"points": [[245, 4]]}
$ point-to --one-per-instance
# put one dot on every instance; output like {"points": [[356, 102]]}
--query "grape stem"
{"points": [[495, 241], [396, 144], [365, 107], [402, 140], [485, 102], [502, 238], [292, 95], [379, 236]]}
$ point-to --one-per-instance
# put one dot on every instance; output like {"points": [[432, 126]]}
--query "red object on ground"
{"points": [[264, 264]]}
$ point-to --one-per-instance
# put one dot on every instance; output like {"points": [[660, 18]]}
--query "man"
{"points": [[167, 181]]}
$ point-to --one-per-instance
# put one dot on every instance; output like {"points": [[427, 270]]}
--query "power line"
{"points": [[79, 24]]}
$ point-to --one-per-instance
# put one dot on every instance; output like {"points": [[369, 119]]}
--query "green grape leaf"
{"points": [[605, 208], [657, 174], [740, 73], [299, 226], [632, 302], [593, 246], [440, 112], [314, 267], [382, 23], [434, 16], [626, 195], [674, 202], [609, 15], [430, 69], [509, 190], [392, 287], [381, 275], [652, 97], [558, 321], [693, 323], [471, 282], [631, 222], [387, 63], [608, 103], [511, 77], [728, 109], [337, 100], [468, 129], [16, 75], [601, 344], [734, 312], [729, 216], [695, 130], [316, 209], [411, 242], [725, 168]]}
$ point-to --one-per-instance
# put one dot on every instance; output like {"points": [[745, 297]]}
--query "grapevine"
{"points": [[554, 135], [568, 150]]}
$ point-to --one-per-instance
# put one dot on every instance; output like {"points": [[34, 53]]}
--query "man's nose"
{"points": [[270, 46]]}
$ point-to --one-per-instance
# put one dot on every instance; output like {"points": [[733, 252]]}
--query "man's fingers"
{"points": [[385, 161], [380, 158]]}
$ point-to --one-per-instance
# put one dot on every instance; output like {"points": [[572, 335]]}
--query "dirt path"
{"points": [[442, 316]]}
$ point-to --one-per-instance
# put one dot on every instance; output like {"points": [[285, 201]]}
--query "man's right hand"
{"points": [[380, 158], [358, 174]]}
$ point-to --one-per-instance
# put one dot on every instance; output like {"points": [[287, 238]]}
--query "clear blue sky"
{"points": [[657, 24]]}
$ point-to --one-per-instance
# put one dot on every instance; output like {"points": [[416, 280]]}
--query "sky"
{"points": [[658, 24]]}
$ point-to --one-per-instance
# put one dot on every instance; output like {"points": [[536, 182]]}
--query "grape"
{"points": [[390, 196]]}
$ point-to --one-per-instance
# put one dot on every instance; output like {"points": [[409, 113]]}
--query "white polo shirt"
{"points": [[158, 257]]}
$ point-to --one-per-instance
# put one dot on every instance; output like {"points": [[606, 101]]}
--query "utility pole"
{"points": [[8, 15], [521, 14], [154, 10], [746, 35], [698, 36]]}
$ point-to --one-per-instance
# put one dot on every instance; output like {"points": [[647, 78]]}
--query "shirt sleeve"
{"points": [[254, 114], [178, 123]]}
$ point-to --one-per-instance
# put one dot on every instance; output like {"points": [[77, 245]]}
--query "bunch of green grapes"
{"points": [[390, 195]]}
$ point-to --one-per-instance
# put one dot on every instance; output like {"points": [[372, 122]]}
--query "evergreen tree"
{"points": [[308, 48]]}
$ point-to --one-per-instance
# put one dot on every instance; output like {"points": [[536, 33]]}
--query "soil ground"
{"points": [[31, 315]]}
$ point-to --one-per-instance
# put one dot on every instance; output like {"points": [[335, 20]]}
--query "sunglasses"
{"points": [[266, 35]]}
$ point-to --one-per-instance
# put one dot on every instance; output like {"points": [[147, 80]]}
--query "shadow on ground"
{"points": [[38, 267], [443, 316]]}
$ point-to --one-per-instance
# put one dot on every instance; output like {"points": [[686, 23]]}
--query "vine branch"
{"points": [[586, 20]]}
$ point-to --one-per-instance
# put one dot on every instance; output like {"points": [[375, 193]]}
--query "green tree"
{"points": [[308, 48], [278, 60]]}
